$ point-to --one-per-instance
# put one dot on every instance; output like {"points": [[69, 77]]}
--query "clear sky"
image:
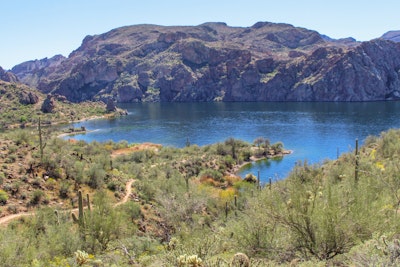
{"points": [[34, 29]]}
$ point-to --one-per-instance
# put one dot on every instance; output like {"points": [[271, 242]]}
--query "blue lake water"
{"points": [[314, 131]]}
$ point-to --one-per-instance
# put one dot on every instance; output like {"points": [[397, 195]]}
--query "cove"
{"points": [[314, 131]]}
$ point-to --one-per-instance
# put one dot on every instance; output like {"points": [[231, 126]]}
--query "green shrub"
{"points": [[229, 161], [37, 196], [133, 210], [246, 154], [277, 147], [222, 149], [3, 197], [2, 177], [103, 224], [64, 189], [11, 158], [115, 186], [96, 175]]}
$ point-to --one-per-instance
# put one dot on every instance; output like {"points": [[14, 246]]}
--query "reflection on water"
{"points": [[314, 131]]}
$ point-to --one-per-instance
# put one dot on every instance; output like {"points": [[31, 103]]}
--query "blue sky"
{"points": [[34, 29]]}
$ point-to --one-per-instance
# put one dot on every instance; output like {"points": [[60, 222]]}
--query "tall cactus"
{"points": [[81, 214], [80, 207], [357, 163], [41, 146]]}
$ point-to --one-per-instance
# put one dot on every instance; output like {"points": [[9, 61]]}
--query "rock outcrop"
{"points": [[215, 62], [110, 106], [28, 98], [7, 76], [49, 104]]}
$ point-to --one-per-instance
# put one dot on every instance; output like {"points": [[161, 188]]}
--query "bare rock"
{"points": [[28, 98], [49, 104], [111, 107]]}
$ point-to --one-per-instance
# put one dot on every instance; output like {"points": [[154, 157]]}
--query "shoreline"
{"points": [[254, 159], [49, 123]]}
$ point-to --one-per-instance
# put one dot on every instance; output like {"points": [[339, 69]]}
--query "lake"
{"points": [[314, 131]]}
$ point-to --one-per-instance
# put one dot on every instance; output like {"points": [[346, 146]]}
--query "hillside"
{"points": [[216, 62], [186, 209], [21, 106]]}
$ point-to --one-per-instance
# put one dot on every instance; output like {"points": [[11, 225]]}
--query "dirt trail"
{"points": [[6, 219], [128, 189]]}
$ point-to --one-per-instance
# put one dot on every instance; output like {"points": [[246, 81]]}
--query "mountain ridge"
{"points": [[392, 36], [216, 62]]}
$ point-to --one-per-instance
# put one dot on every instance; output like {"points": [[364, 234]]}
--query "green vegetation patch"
{"points": [[187, 208], [16, 110]]}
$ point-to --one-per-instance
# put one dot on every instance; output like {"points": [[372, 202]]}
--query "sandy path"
{"points": [[128, 189], [6, 219]]}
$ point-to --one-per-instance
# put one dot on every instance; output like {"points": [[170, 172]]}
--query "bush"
{"points": [[96, 176], [222, 149], [103, 225], [246, 154], [251, 178], [210, 173], [277, 147], [37, 196], [3, 197], [64, 189], [133, 210], [229, 161]]}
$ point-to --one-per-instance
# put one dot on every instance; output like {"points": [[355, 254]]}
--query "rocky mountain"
{"points": [[216, 62], [392, 36], [7, 76]]}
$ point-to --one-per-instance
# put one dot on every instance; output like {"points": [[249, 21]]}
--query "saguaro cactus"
{"points": [[81, 214], [41, 145], [356, 165]]}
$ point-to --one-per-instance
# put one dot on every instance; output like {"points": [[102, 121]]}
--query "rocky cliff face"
{"points": [[215, 62]]}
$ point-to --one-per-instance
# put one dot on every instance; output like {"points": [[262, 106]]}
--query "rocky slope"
{"points": [[215, 62], [7, 76], [22, 106], [392, 36]]}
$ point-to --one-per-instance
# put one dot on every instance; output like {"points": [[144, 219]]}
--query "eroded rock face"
{"points": [[215, 62], [49, 104], [31, 72]]}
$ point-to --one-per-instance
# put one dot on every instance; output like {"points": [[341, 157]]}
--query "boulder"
{"points": [[28, 98], [49, 104]]}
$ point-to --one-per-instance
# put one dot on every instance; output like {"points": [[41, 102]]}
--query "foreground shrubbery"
{"points": [[186, 210]]}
